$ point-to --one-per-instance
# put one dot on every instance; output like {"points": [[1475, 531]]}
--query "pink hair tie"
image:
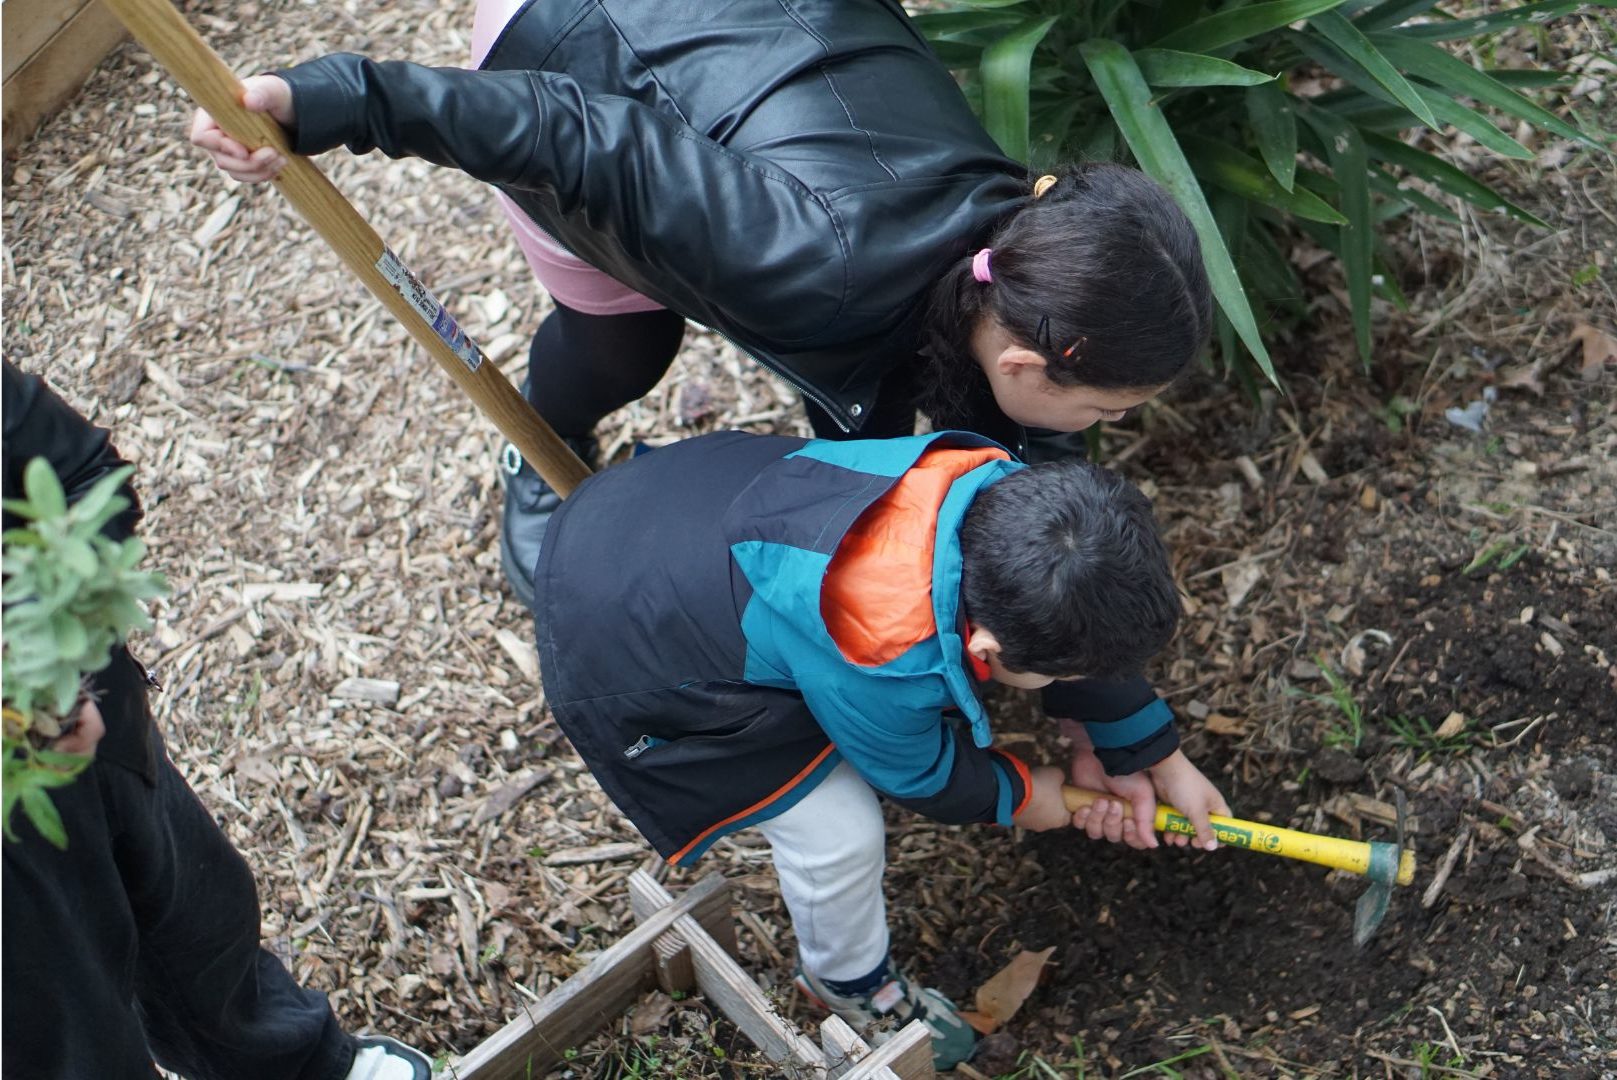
{"points": [[979, 266]]}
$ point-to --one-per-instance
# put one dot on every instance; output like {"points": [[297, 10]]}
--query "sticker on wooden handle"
{"points": [[427, 306]]}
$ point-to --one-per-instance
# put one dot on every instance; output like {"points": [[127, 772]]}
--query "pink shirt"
{"points": [[567, 278]]}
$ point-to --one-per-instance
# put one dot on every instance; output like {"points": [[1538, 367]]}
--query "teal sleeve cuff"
{"points": [[1005, 805], [1132, 729]]}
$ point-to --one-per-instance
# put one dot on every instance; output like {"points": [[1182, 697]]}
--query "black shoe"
{"points": [[529, 502]]}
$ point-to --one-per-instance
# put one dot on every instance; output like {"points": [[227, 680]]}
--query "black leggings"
{"points": [[582, 367]]}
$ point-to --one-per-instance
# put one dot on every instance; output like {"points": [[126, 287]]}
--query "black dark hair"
{"points": [[1063, 564], [1101, 275]]}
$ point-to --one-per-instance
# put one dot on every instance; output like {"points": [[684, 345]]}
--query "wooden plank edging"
{"points": [[908, 1053], [537, 1040], [724, 983]]}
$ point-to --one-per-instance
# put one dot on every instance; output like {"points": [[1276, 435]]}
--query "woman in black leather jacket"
{"points": [[803, 177]]}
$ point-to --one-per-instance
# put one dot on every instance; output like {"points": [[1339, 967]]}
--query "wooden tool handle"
{"points": [[1355, 856], [167, 36]]}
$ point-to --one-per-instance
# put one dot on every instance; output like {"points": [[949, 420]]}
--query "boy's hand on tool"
{"points": [[1135, 830], [260, 93], [1182, 785], [1045, 807]]}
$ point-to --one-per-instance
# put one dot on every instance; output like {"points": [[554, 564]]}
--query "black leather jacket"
{"points": [[794, 174]]}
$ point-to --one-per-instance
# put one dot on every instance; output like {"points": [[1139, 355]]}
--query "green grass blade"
{"points": [[956, 55], [1272, 278], [1325, 53], [1437, 171], [1528, 78], [1273, 116], [1240, 24], [1230, 212], [1392, 13], [1386, 185], [970, 27], [1005, 68], [1474, 124], [1050, 129], [1346, 37], [1221, 164], [1167, 67], [1153, 144], [1344, 147], [1387, 285], [1452, 75], [1487, 24]]}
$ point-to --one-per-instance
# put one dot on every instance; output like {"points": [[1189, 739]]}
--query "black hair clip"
{"points": [[1042, 334]]}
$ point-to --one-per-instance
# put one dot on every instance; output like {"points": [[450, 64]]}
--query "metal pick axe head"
{"points": [[1383, 875]]}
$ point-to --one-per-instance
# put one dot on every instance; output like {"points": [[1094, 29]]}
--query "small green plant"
{"points": [[1419, 735], [1030, 1066], [1164, 1067], [1427, 1055], [1394, 413], [1350, 730], [71, 594], [1507, 552]]}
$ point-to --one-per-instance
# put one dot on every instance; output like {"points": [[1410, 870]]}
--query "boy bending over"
{"points": [[755, 631]]}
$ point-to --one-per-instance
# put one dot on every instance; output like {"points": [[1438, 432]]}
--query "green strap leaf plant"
{"points": [[1167, 67], [1350, 165], [1242, 24], [1341, 33], [1206, 96], [1155, 148], [1273, 118], [1006, 65]]}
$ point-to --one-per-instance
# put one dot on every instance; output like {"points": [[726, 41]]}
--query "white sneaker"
{"points": [[382, 1058]]}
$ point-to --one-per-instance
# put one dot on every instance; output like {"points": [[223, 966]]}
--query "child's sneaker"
{"points": [[898, 1000]]}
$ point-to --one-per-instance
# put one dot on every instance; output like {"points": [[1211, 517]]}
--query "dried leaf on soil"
{"points": [[1599, 349], [1002, 995]]}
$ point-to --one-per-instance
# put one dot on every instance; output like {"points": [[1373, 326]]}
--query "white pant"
{"points": [[829, 852]]}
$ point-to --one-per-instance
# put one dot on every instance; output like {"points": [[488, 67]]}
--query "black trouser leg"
{"points": [[141, 941], [215, 1003], [582, 367], [69, 946]]}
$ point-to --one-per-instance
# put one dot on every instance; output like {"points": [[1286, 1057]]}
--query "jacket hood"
{"points": [[796, 585]]}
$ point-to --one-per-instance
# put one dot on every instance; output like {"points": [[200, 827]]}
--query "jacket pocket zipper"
{"points": [[641, 745]]}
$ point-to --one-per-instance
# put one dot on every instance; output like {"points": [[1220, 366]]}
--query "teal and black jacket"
{"points": [[694, 650]]}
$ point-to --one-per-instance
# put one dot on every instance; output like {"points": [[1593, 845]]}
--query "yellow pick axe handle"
{"points": [[1371, 859], [168, 37]]}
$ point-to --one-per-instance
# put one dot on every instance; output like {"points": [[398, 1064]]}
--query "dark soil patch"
{"points": [[1250, 959]]}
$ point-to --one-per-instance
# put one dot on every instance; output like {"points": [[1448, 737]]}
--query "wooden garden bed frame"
{"points": [[50, 48], [681, 944]]}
